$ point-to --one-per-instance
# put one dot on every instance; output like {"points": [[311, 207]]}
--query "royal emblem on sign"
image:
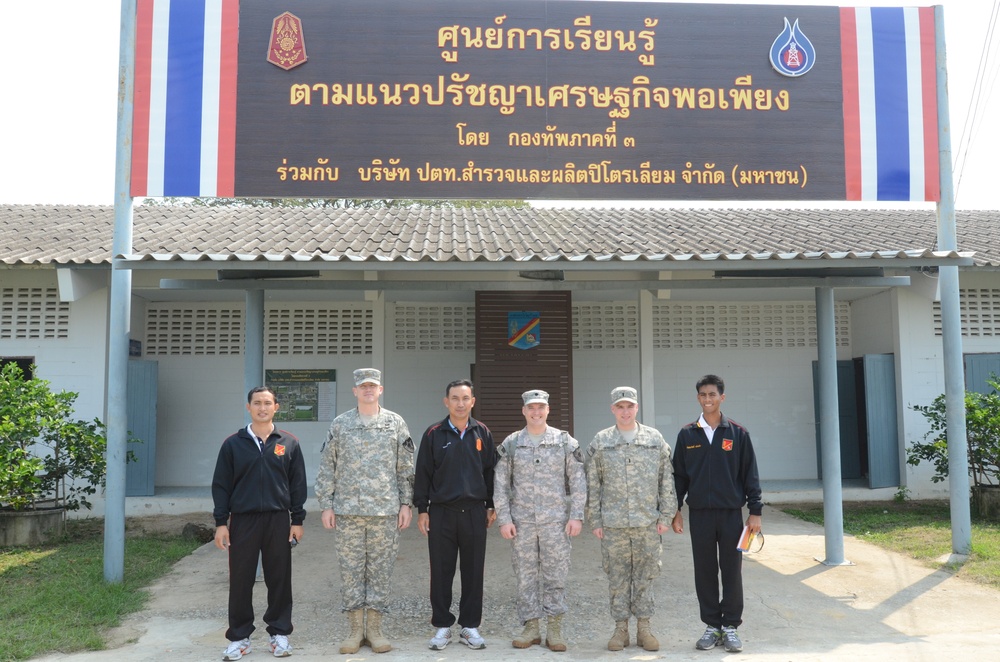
{"points": [[792, 54], [287, 47], [727, 444], [524, 329]]}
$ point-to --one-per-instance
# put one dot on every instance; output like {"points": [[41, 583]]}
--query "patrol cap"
{"points": [[626, 393], [533, 396], [367, 376]]}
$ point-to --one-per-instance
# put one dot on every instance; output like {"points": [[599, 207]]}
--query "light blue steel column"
{"points": [[647, 365], [829, 427], [120, 302], [253, 343], [951, 317]]}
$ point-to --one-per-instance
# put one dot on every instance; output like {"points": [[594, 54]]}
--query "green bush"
{"points": [[982, 419], [46, 456]]}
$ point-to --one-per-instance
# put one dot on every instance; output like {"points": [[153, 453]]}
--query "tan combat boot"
{"points": [[553, 634], [529, 636], [645, 638], [373, 632], [352, 643], [619, 639]]}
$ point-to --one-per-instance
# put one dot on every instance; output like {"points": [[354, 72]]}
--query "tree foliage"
{"points": [[982, 420], [46, 455]]}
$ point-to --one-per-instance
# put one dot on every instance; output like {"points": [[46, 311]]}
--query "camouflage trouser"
{"points": [[632, 560], [366, 547], [540, 555]]}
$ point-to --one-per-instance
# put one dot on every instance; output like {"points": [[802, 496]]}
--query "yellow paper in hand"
{"points": [[746, 539]]}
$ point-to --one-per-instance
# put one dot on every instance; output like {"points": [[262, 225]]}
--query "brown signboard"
{"points": [[558, 99]]}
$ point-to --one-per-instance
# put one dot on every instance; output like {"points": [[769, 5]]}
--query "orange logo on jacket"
{"points": [[727, 444], [479, 444], [280, 450]]}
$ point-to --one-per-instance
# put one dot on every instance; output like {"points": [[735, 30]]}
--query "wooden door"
{"points": [[504, 371]]}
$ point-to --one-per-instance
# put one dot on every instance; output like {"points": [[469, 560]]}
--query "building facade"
{"points": [[651, 298]]}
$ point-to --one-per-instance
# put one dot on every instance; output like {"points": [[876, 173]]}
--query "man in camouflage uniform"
{"points": [[630, 504], [365, 489], [540, 492]]}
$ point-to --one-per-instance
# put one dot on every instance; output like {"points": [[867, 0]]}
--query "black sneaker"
{"points": [[709, 640], [731, 640]]}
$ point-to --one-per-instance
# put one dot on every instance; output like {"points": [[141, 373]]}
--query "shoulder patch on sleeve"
{"points": [[408, 444], [577, 455], [502, 450]]}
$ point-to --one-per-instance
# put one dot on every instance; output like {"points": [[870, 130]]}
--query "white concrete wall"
{"points": [[200, 402], [415, 383], [595, 374], [769, 391], [981, 344], [919, 379], [76, 363], [873, 325]]}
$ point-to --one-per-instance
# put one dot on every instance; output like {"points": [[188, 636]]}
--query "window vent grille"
{"points": [[605, 326], [173, 330], [429, 327], [980, 311], [309, 331], [33, 313], [742, 326]]}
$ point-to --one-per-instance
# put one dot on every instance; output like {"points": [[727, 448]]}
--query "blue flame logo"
{"points": [[792, 54]]}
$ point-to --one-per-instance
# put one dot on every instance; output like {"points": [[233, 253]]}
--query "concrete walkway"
{"points": [[884, 607]]}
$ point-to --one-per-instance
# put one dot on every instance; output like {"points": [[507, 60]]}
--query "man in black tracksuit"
{"points": [[259, 490], [716, 469], [453, 493]]}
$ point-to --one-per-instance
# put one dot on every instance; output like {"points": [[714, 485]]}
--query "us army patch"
{"points": [[577, 455], [408, 444]]}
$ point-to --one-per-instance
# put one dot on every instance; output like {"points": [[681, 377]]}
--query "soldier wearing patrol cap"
{"points": [[540, 493], [631, 502], [365, 489]]}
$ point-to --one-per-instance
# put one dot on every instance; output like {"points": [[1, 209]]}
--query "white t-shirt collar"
{"points": [[703, 424]]}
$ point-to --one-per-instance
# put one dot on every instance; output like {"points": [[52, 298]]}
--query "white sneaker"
{"points": [[237, 649], [441, 639], [280, 646], [470, 637]]}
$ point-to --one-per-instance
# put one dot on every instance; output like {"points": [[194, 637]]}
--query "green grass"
{"points": [[918, 529], [54, 598]]}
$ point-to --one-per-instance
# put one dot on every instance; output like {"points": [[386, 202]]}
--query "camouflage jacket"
{"points": [[629, 484], [539, 483], [366, 469]]}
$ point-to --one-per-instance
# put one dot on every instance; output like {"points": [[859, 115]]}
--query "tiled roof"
{"points": [[35, 235]]}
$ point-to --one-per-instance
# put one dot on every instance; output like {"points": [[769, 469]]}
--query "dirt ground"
{"points": [[166, 524], [881, 606], [194, 593]]}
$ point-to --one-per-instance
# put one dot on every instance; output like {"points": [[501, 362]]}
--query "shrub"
{"points": [[982, 416], [46, 456]]}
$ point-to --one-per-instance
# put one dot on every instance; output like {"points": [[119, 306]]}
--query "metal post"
{"points": [[951, 317], [253, 342], [829, 427], [647, 372], [120, 300]]}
